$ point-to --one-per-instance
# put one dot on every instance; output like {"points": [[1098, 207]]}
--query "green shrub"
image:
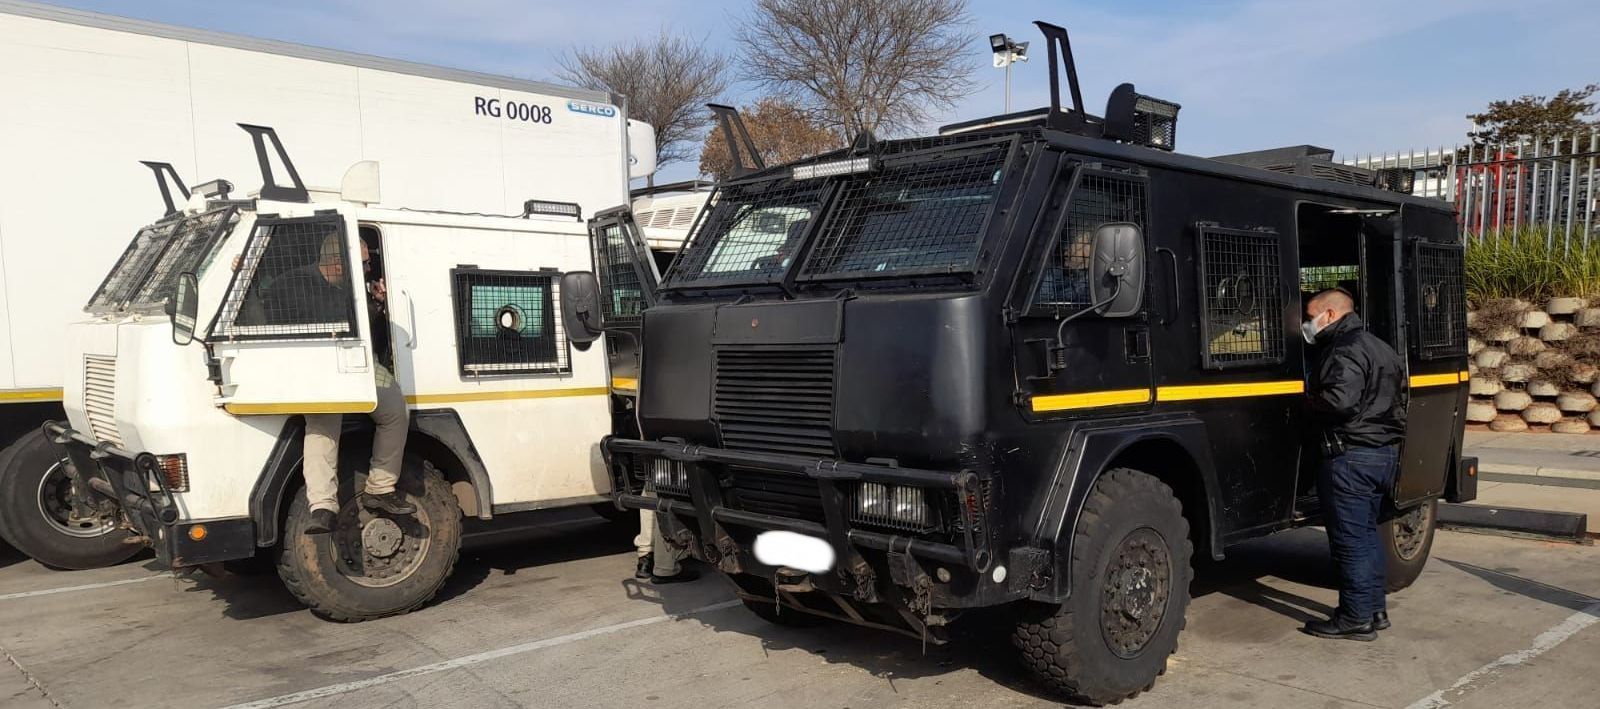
{"points": [[1518, 264]]}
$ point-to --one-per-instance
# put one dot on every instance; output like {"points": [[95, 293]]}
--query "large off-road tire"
{"points": [[373, 565], [788, 617], [1129, 578], [37, 515], [1406, 540]]}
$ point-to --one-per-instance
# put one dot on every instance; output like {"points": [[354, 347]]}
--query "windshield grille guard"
{"points": [[924, 212], [950, 243], [145, 274]]}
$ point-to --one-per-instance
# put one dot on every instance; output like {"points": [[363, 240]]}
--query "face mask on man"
{"points": [[1310, 328]]}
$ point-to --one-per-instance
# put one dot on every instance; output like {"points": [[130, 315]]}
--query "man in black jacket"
{"points": [[1357, 399]]}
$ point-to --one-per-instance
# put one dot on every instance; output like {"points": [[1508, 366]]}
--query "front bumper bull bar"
{"points": [[121, 475], [972, 550]]}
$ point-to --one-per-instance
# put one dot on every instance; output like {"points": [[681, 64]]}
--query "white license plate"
{"points": [[796, 551]]}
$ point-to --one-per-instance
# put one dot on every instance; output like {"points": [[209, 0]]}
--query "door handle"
{"points": [[411, 320], [1136, 344]]}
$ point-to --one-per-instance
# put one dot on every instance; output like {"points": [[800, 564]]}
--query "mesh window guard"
{"points": [[1241, 273], [621, 293], [1440, 301], [146, 274], [190, 246], [293, 283], [748, 232], [506, 323], [1320, 278], [920, 214], [1100, 197]]}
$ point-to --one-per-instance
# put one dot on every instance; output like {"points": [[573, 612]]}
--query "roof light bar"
{"points": [[835, 168], [552, 209]]}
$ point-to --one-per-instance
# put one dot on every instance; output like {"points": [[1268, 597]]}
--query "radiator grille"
{"points": [[779, 494], [99, 398], [776, 401]]}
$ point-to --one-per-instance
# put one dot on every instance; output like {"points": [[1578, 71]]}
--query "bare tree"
{"points": [[781, 133], [667, 80], [861, 64]]}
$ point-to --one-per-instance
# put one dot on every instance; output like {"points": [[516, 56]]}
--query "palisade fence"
{"points": [[1519, 188]]}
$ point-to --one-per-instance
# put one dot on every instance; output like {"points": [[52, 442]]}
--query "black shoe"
{"points": [[680, 577], [391, 502], [322, 522], [1380, 620], [1337, 628], [646, 563]]}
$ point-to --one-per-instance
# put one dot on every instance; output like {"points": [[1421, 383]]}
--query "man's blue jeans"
{"points": [[1351, 487]]}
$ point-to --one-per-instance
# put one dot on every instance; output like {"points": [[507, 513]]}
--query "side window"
{"points": [[622, 295], [294, 282], [506, 322], [1101, 196], [1440, 301], [1241, 274]]}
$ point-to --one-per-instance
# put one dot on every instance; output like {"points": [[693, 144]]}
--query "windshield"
{"points": [[146, 274], [749, 233], [922, 212]]}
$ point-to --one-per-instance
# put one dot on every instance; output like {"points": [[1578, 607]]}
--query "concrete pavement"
{"points": [[1542, 471], [554, 619]]}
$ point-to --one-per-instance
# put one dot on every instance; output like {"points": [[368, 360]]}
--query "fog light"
{"points": [[902, 507], [943, 574], [197, 532], [669, 475]]}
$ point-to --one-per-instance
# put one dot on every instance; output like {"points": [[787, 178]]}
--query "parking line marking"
{"points": [[467, 660], [85, 587], [1546, 642]]}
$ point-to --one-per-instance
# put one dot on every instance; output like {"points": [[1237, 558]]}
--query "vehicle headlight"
{"points": [[899, 506], [669, 475]]}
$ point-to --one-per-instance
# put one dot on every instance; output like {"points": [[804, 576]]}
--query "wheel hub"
{"points": [[1137, 586], [376, 551], [65, 510], [1410, 531], [381, 537]]}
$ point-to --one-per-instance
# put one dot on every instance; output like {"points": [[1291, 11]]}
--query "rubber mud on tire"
{"points": [[1414, 532], [1132, 525], [23, 466], [309, 569]]}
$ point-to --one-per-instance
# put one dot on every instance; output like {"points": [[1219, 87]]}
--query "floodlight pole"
{"points": [[1008, 87]]}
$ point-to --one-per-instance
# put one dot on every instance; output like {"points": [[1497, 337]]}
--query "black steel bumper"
{"points": [[134, 481], [968, 550]]}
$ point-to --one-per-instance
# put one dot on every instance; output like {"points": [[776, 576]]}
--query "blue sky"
{"points": [[1357, 76]]}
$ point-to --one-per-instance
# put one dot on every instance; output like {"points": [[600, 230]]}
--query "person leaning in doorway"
{"points": [[320, 292], [1357, 399]]}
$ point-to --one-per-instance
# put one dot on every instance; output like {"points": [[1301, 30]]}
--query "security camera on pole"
{"points": [[1007, 52]]}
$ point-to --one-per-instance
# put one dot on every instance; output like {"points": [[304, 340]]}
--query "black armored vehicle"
{"points": [[1035, 361]]}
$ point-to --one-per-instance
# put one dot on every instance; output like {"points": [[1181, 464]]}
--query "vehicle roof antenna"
{"points": [[270, 189], [166, 179], [1056, 45], [738, 140]]}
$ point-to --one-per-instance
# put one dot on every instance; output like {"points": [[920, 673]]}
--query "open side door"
{"points": [[292, 334], [628, 281], [1436, 360]]}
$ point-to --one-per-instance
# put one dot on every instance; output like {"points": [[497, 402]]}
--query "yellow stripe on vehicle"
{"points": [[625, 383], [1089, 399], [301, 407], [1191, 392], [20, 396], [1435, 380], [470, 396], [1466, 375]]}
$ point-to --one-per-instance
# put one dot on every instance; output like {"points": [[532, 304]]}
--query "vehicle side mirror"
{"points": [[184, 307], [580, 307], [1118, 269]]}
